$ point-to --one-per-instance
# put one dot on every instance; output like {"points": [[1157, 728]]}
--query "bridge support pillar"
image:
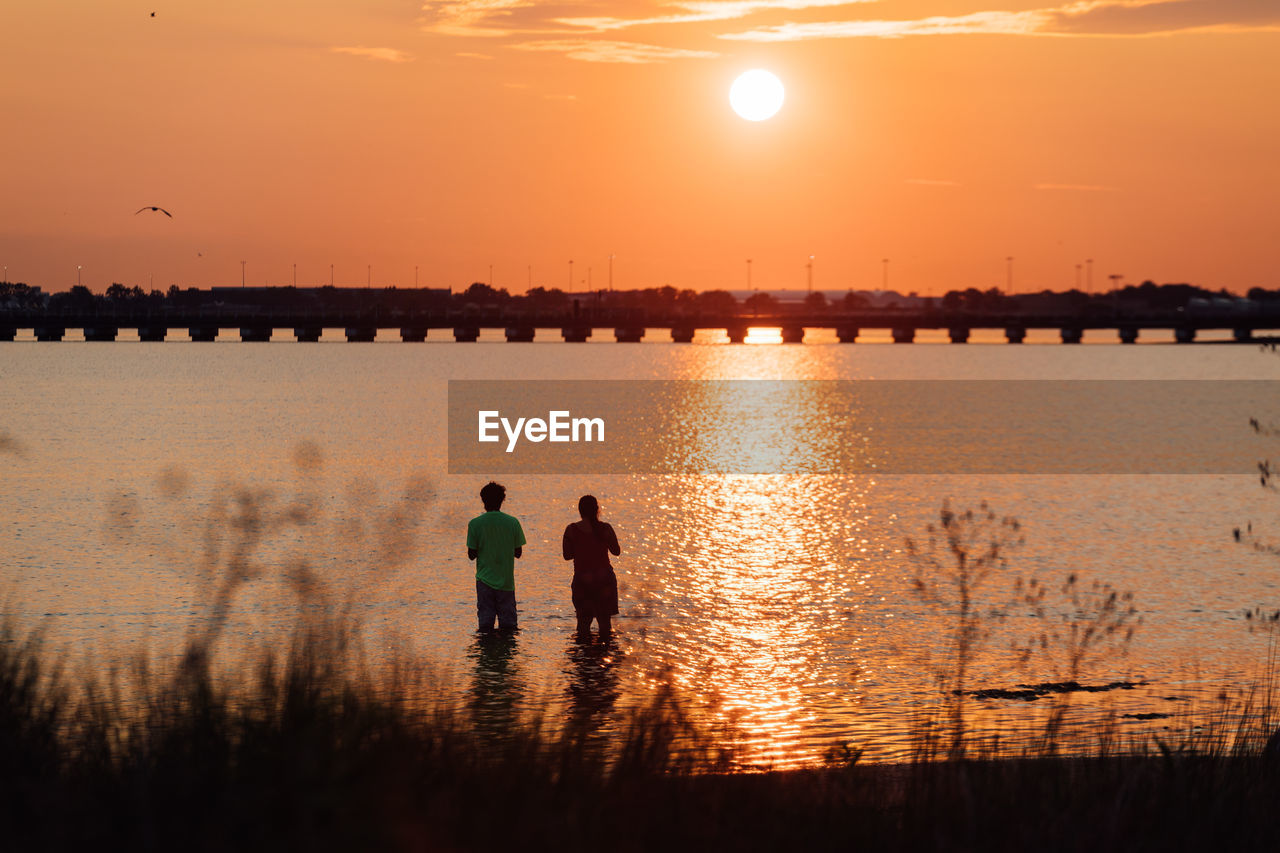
{"points": [[255, 334], [413, 334], [1184, 335], [100, 333], [848, 334], [1072, 335], [307, 334], [793, 334], [1242, 336], [904, 335], [466, 334], [8, 333], [682, 334], [1128, 334], [628, 334], [361, 334], [520, 334], [958, 335], [152, 334], [204, 334], [1015, 334], [49, 333], [737, 334], [575, 334]]}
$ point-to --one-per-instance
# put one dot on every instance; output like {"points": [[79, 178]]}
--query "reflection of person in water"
{"points": [[589, 542], [497, 686]]}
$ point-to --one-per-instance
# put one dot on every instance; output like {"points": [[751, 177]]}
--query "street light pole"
{"points": [[331, 275], [885, 284], [242, 275], [571, 276], [810, 266], [78, 268], [1088, 275], [1009, 275]]}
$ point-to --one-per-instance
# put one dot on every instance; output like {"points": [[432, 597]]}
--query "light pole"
{"points": [[571, 276], [1078, 267], [611, 273], [1008, 278], [810, 266], [295, 275], [78, 268], [415, 275], [1115, 280], [748, 273], [242, 275], [1088, 275], [331, 275], [491, 275], [368, 281], [885, 278]]}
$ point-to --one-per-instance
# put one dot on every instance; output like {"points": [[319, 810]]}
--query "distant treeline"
{"points": [[1147, 295]]}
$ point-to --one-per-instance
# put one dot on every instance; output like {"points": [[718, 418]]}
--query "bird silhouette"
{"points": [[153, 207]]}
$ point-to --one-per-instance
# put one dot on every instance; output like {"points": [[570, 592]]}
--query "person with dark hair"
{"points": [[494, 541], [589, 542]]}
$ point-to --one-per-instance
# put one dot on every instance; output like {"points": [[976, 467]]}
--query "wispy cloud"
{"points": [[468, 55], [534, 26], [1162, 17], [471, 17], [385, 54], [930, 182], [1084, 18], [1083, 188], [697, 11], [1005, 23], [588, 50]]}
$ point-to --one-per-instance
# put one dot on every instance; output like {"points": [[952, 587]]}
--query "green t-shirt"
{"points": [[495, 536]]}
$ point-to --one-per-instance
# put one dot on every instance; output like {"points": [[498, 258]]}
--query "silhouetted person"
{"points": [[494, 541], [589, 543]]}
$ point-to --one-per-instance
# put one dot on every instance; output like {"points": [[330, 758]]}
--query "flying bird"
{"points": [[153, 207]]}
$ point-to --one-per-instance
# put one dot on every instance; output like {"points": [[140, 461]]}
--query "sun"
{"points": [[756, 95]]}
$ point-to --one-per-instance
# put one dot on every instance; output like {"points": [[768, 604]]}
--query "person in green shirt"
{"points": [[494, 541]]}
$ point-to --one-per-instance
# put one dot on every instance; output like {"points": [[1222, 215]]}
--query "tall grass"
{"points": [[309, 755]]}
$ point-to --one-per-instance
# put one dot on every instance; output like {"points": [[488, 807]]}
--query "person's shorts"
{"points": [[495, 603]]}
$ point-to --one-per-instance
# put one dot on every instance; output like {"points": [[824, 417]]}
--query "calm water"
{"points": [[782, 604]]}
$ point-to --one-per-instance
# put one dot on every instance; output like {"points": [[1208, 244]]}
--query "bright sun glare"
{"points": [[756, 95]]}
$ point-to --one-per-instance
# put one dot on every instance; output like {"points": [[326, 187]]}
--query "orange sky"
{"points": [[462, 135]]}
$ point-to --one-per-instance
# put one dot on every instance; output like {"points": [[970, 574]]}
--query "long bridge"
{"points": [[104, 323]]}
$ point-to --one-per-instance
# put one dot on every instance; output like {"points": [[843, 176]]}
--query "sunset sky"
{"points": [[468, 135]]}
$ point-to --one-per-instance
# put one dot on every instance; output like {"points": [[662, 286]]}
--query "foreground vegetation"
{"points": [[312, 755]]}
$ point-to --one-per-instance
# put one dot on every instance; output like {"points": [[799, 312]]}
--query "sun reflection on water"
{"points": [[758, 587]]}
